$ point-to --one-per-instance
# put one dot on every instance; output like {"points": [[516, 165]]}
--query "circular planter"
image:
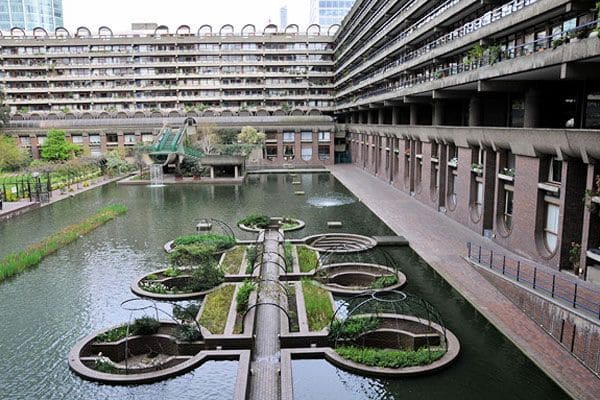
{"points": [[170, 245], [299, 225], [452, 347], [339, 243], [173, 357], [139, 291], [340, 277]]}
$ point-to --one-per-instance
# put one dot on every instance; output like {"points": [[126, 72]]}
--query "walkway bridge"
{"points": [[170, 147]]}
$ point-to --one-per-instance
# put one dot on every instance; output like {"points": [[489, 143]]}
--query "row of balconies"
{"points": [[411, 58], [179, 86], [286, 74], [407, 34], [134, 99]]}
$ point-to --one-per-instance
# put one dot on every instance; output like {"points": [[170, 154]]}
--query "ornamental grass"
{"points": [[15, 263]]}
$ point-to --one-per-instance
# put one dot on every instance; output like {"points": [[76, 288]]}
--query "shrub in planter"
{"points": [[255, 220], [384, 281], [187, 333], [191, 254], [221, 242], [144, 326], [206, 277], [353, 327], [243, 296], [186, 313]]}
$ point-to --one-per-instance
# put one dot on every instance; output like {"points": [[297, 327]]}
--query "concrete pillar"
{"points": [[212, 172], [395, 115], [532, 118], [369, 117], [475, 111], [236, 173], [414, 114], [438, 113], [380, 116]]}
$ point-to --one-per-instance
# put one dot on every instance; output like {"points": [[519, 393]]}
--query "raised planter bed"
{"points": [[354, 278]]}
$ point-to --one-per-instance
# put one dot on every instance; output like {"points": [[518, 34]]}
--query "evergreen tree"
{"points": [[57, 148]]}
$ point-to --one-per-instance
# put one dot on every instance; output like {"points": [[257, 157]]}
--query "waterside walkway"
{"points": [[441, 242]]}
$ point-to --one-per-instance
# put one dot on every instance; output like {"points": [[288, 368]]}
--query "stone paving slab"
{"points": [[441, 242]]}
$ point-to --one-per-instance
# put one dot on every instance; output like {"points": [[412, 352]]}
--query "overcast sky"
{"points": [[119, 14]]}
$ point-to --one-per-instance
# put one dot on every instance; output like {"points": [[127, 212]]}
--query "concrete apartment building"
{"points": [[486, 111]]}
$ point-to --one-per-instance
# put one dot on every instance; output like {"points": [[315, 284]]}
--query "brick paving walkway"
{"points": [[266, 361], [441, 243]]}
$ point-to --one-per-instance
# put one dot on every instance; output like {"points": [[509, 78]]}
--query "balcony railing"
{"points": [[488, 59], [470, 27]]}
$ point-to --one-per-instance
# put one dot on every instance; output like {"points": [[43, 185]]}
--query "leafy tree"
{"points": [[11, 156], [116, 162], [4, 111], [251, 135], [228, 136], [57, 148]]}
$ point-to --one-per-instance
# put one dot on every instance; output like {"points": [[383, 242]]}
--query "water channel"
{"points": [[79, 289]]}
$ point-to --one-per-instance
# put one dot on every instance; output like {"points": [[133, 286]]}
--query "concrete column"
{"points": [[236, 173], [369, 117], [475, 111], [532, 118], [380, 116], [438, 113], [395, 115], [414, 114], [212, 172]]}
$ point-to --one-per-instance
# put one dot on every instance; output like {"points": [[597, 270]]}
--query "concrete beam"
{"points": [[579, 71], [450, 94], [417, 99], [501, 86], [392, 103], [375, 105]]}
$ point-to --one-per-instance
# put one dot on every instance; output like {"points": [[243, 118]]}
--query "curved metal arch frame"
{"points": [[279, 284], [266, 304], [254, 266], [280, 257]]}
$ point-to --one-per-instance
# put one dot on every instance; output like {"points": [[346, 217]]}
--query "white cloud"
{"points": [[119, 14]]}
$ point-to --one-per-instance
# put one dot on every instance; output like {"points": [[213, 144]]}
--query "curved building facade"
{"points": [[30, 14]]}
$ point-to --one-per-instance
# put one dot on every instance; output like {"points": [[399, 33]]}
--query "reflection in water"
{"points": [[330, 200]]}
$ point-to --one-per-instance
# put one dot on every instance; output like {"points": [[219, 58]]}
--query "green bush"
{"points": [[113, 335], [144, 326], [353, 327], [205, 277], [243, 296], [307, 259], [154, 287], [171, 272], [251, 254], [255, 221], [374, 357], [187, 333], [192, 254], [384, 281], [220, 242], [104, 366]]}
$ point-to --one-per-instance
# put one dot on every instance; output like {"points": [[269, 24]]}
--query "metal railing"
{"points": [[570, 292]]}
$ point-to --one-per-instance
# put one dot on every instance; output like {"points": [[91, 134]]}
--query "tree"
{"points": [[11, 156], [208, 138], [4, 111], [250, 135], [57, 148], [116, 162]]}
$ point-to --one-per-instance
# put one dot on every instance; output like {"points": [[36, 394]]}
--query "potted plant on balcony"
{"points": [[477, 168], [453, 162]]}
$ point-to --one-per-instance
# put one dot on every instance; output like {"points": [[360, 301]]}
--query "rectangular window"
{"points": [[551, 228], [479, 199], [288, 137], [94, 139], [307, 136], [25, 140], [77, 139], [288, 152], [147, 138], [130, 138], [323, 152], [324, 136], [555, 171], [41, 140], [306, 153], [112, 138], [508, 208]]}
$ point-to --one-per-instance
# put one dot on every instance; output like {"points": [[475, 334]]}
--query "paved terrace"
{"points": [[441, 242]]}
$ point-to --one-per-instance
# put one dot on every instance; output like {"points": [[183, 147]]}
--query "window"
{"points": [[288, 136], [555, 171], [306, 153], [130, 138], [25, 140], [271, 152], [147, 138], [77, 139], [479, 199], [323, 152], [452, 190], [592, 111], [517, 113], [94, 139], [508, 209], [288, 152], [307, 136], [324, 136], [112, 138], [41, 140], [551, 227]]}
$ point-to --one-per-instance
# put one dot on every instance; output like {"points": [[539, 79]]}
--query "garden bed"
{"points": [[215, 309], [318, 305]]}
